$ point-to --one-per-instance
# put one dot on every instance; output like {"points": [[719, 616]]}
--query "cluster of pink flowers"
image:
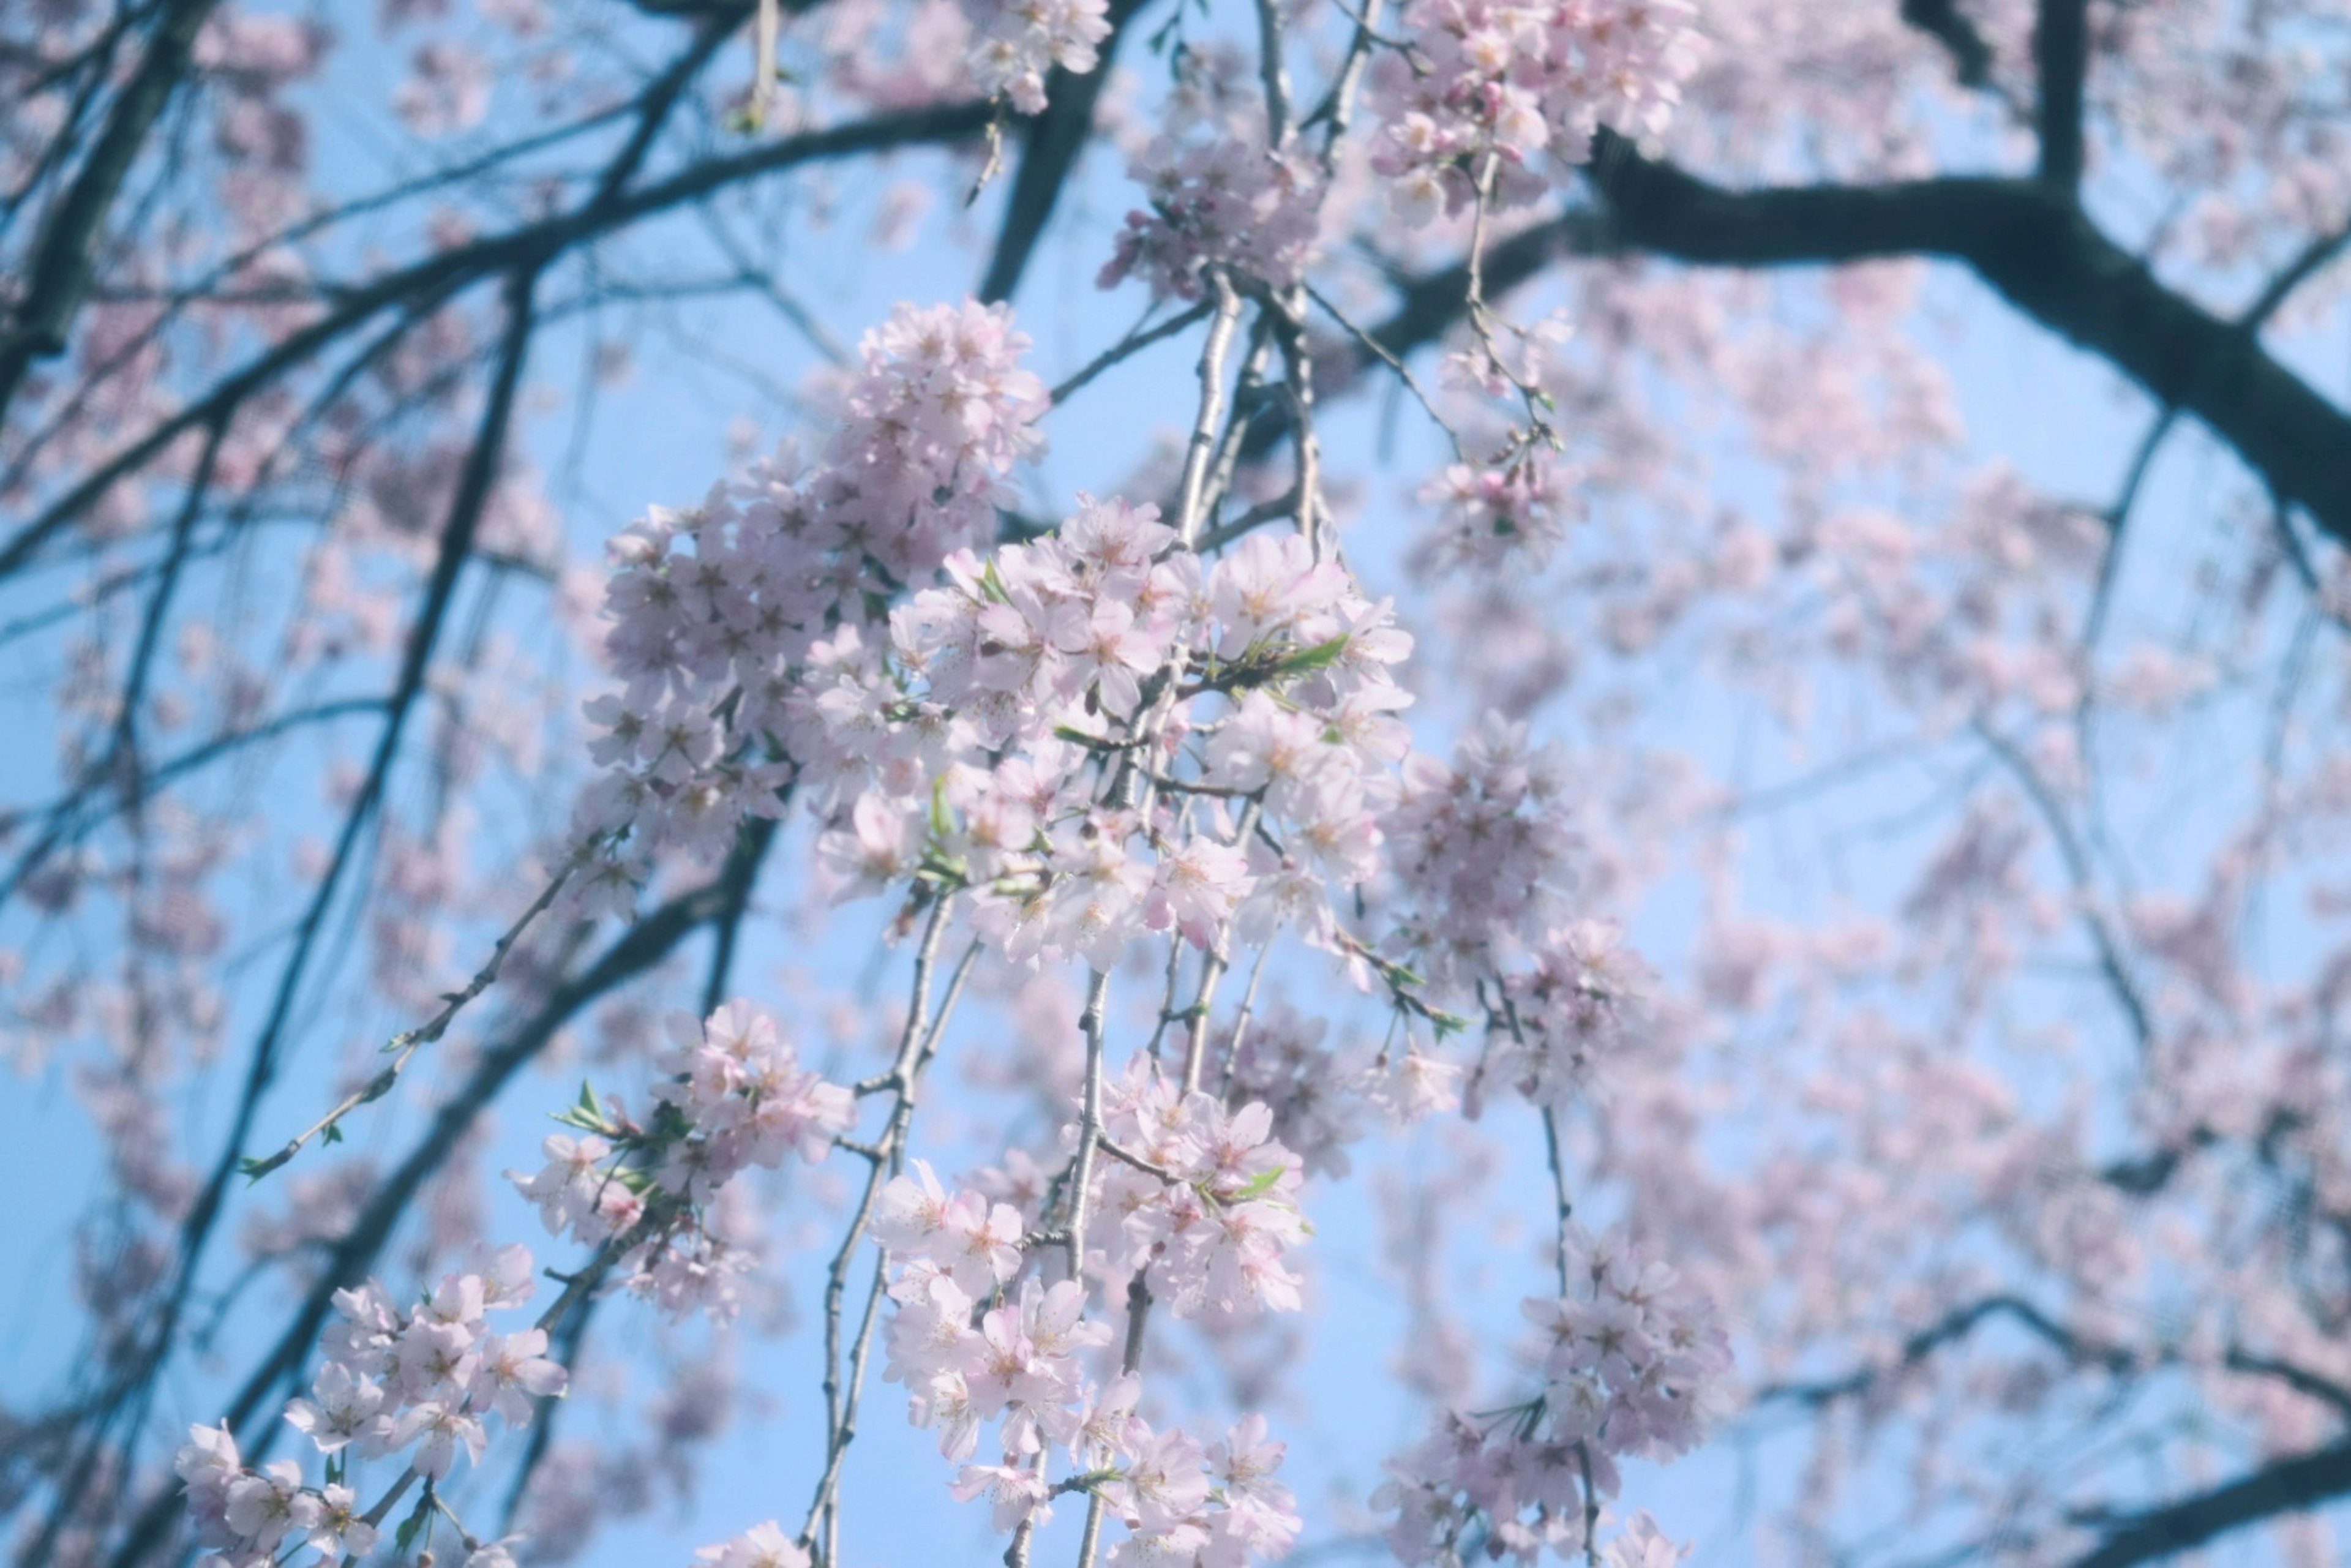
{"points": [[1318, 1097], [1022, 1364], [1019, 40], [1484, 852], [1511, 515], [420, 1384], [1060, 730], [739, 1086], [1324, 1097], [1632, 1363], [713, 609], [1571, 1015], [735, 1095], [1219, 195], [1217, 1507], [1210, 1224], [1489, 80], [246, 1515]]}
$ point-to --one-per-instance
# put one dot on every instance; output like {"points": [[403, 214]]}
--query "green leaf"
{"points": [[1259, 1185], [1321, 657], [252, 1169], [416, 1520]]}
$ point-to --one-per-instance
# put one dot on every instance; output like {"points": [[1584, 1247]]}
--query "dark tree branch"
{"points": [[537, 243], [1952, 1327], [57, 275], [2031, 244], [2300, 1379], [2061, 56], [2285, 1487], [2035, 247], [1049, 150], [2315, 257], [1942, 21]]}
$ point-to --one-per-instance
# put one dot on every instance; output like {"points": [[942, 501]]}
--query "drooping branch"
{"points": [[466, 509], [634, 953], [1950, 1329]]}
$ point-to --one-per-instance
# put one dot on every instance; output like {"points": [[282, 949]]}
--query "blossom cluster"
{"points": [[419, 1384], [1324, 1097], [1571, 1015], [1020, 1366], [713, 609], [1020, 40], [1061, 727], [1512, 514], [1489, 84], [734, 1096], [1484, 853], [1218, 1506], [1210, 1223], [1632, 1363], [974, 1355], [1020, 1363], [1218, 195]]}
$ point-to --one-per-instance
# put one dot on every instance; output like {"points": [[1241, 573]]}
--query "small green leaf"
{"points": [[1259, 1185], [1321, 657], [254, 1169], [417, 1519]]}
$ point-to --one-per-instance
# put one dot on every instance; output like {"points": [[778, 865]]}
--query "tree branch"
{"points": [[57, 275], [1953, 1326], [2035, 247], [529, 243], [2284, 1487], [638, 949], [1049, 151], [2061, 55], [1942, 21]]}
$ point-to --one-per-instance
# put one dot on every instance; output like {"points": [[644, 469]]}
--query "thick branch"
{"points": [[2030, 244], [57, 275], [2061, 55], [2285, 1487], [1047, 153], [1942, 21], [2037, 251], [1952, 1327]]}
